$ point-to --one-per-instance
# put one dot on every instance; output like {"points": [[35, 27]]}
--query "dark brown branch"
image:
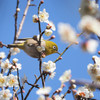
{"points": [[16, 17], [33, 86], [40, 59], [20, 84]]}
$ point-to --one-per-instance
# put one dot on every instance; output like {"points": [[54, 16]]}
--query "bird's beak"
{"points": [[58, 53]]}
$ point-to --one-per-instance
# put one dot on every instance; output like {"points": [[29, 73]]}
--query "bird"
{"points": [[29, 45]]}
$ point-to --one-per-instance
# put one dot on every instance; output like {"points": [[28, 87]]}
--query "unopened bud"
{"points": [[60, 58], [42, 1], [76, 42], [23, 91], [73, 81], [73, 86], [48, 27], [68, 91], [1, 45], [53, 37], [99, 52], [18, 9], [63, 85], [60, 89]]}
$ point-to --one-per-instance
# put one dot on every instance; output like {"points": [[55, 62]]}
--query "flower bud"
{"points": [[18, 9], [99, 52], [42, 1]]}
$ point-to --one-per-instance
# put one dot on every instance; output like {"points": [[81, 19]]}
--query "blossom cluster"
{"points": [[8, 80], [43, 17]]}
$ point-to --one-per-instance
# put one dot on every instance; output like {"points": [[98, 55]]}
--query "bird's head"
{"points": [[50, 47]]}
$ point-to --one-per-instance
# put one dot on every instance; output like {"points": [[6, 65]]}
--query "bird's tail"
{"points": [[16, 45]]}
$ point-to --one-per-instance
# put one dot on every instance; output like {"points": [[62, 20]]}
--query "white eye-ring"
{"points": [[54, 47]]}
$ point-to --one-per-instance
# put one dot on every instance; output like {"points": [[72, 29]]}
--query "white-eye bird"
{"points": [[29, 45]]}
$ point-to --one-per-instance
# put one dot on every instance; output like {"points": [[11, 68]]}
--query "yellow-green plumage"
{"points": [[49, 49], [29, 45]]}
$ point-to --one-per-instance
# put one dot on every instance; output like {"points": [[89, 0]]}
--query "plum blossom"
{"points": [[43, 16], [67, 33], [2, 55], [14, 51], [6, 65], [48, 32], [90, 24], [3, 80], [66, 76], [48, 66], [84, 92], [43, 91], [12, 81], [35, 18], [90, 46], [5, 94], [51, 25]]}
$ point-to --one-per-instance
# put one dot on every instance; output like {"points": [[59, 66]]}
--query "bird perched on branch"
{"points": [[30, 46]]}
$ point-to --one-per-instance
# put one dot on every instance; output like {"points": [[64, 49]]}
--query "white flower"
{"points": [[35, 17], [93, 69], [84, 92], [88, 7], [15, 60], [90, 24], [96, 59], [57, 97], [12, 81], [16, 66], [41, 97], [43, 91], [91, 46], [2, 55], [6, 65], [14, 51], [43, 16], [5, 94], [40, 48], [51, 25], [52, 75], [48, 32], [66, 76], [67, 33], [48, 66], [2, 80]]}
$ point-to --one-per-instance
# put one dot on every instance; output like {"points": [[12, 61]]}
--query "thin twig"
{"points": [[68, 91], [36, 86], [87, 83], [40, 59], [67, 48], [32, 86], [63, 52], [23, 19], [20, 84], [16, 17]]}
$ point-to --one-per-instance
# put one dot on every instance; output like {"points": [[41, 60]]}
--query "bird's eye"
{"points": [[30, 45], [54, 47]]}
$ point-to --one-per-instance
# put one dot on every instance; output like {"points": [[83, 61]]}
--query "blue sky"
{"points": [[60, 11]]}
